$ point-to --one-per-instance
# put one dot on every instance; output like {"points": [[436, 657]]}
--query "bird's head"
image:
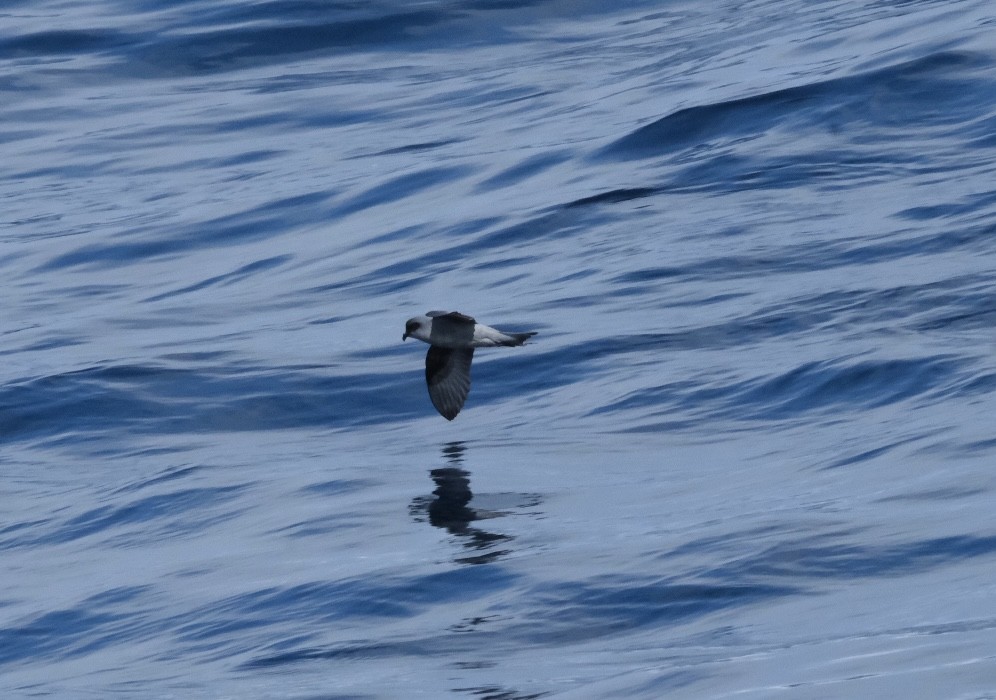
{"points": [[411, 328]]}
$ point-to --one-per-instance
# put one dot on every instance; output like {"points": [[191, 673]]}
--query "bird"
{"points": [[452, 337]]}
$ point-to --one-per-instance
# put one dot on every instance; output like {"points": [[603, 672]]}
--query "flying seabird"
{"points": [[453, 337]]}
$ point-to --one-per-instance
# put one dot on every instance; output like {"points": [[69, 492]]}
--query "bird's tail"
{"points": [[518, 338]]}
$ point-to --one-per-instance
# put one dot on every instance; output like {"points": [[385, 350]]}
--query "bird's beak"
{"points": [[404, 336]]}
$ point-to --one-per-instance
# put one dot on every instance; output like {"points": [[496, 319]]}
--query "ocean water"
{"points": [[750, 453]]}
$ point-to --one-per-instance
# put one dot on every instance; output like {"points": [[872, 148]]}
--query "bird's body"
{"points": [[453, 337]]}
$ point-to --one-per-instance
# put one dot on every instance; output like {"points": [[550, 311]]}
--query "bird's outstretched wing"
{"points": [[451, 329], [454, 316], [447, 372]]}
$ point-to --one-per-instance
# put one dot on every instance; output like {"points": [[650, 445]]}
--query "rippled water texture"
{"points": [[749, 453]]}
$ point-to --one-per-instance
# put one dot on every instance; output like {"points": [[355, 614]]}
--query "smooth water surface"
{"points": [[749, 454]]}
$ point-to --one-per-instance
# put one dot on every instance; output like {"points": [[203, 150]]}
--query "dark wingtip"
{"points": [[449, 416]]}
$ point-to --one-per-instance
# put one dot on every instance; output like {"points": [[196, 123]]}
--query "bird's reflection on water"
{"points": [[449, 508]]}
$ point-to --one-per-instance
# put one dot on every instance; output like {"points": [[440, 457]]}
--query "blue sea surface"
{"points": [[751, 452]]}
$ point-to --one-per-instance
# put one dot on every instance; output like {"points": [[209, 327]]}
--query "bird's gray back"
{"points": [[451, 329]]}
